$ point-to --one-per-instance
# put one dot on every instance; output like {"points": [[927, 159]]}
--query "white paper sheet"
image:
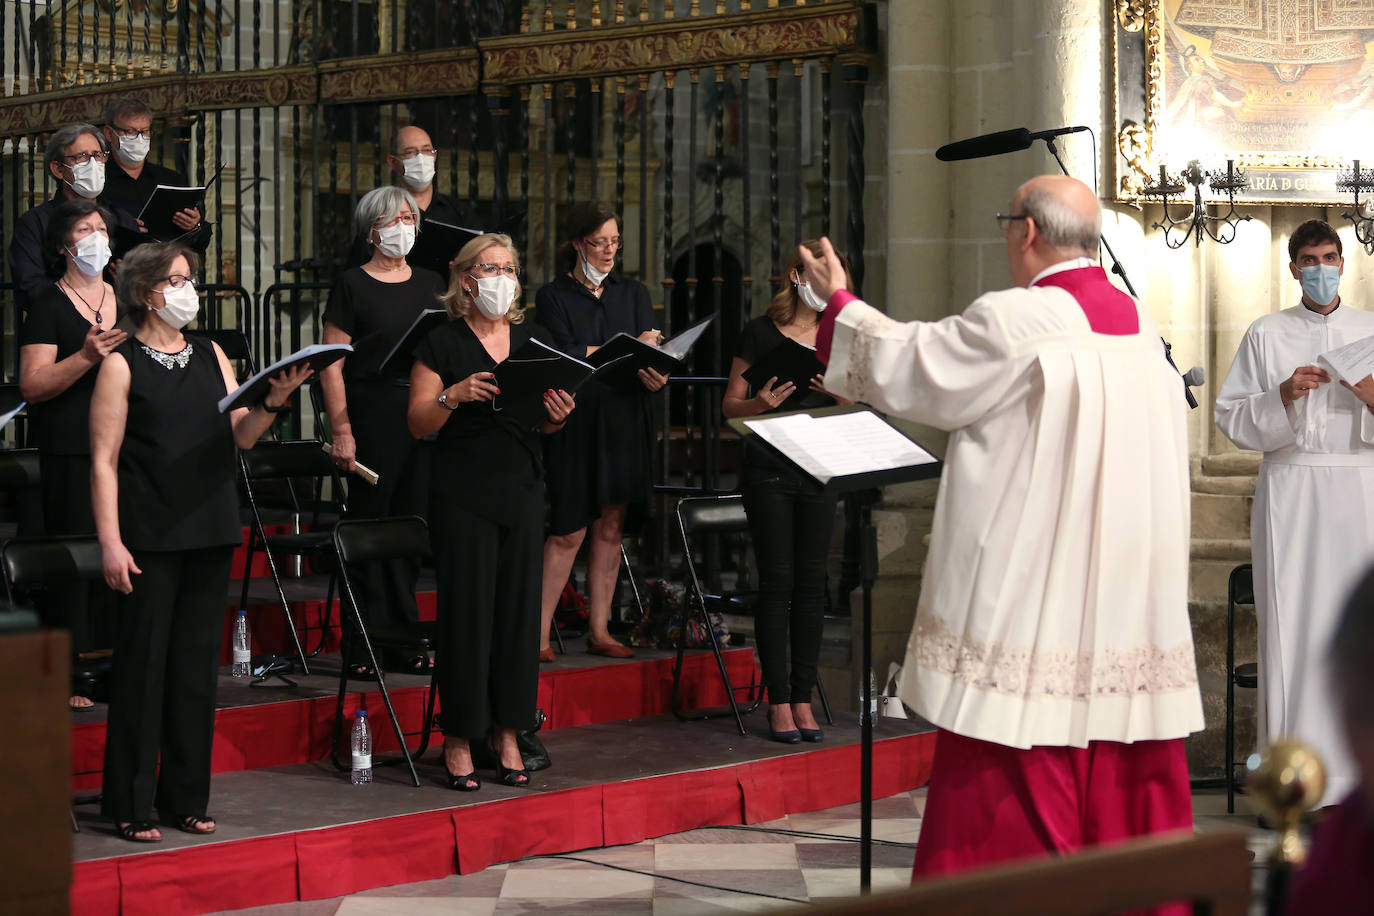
{"points": [[1351, 362], [840, 445]]}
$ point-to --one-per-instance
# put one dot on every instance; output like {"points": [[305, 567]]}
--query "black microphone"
{"points": [[1003, 141]]}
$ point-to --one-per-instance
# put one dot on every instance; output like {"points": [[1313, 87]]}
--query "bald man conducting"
{"points": [[1052, 643]]}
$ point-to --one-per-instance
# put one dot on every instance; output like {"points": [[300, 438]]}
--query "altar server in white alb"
{"points": [[1052, 644], [1312, 525]]}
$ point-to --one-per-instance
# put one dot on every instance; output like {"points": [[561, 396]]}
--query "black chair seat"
{"points": [[306, 542], [1247, 675]]}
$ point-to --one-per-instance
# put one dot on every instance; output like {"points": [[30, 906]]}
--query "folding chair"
{"points": [[364, 541], [285, 462], [700, 516], [29, 562]]}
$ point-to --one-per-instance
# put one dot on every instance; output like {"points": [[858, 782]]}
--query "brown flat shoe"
{"points": [[546, 655], [610, 649]]}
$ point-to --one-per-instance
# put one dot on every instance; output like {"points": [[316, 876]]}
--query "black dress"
{"points": [[376, 315], [790, 523], [603, 456], [178, 517], [486, 524], [61, 428]]}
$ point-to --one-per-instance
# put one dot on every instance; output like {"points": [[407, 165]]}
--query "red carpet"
{"points": [[333, 861]]}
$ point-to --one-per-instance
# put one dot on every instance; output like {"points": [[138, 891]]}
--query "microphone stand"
{"points": [[1120, 271]]}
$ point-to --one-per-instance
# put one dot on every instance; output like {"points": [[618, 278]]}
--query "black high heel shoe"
{"points": [[466, 783], [519, 779], [811, 734]]}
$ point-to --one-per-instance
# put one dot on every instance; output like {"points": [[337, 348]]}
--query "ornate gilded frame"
{"points": [[1296, 176]]}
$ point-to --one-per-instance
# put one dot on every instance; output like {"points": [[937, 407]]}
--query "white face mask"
{"points": [[591, 273], [809, 297], [88, 179], [91, 254], [134, 150], [396, 241], [494, 295], [181, 305], [418, 171]]}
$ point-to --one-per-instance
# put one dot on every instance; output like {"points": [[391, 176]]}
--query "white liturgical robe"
{"points": [[1054, 605], [1312, 525]]}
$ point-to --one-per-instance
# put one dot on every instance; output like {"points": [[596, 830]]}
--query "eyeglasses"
{"points": [[491, 270], [603, 244], [83, 158], [129, 133], [409, 219], [1004, 222], [177, 281], [410, 151]]}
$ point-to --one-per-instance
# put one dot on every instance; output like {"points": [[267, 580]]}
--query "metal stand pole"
{"points": [[868, 572]]}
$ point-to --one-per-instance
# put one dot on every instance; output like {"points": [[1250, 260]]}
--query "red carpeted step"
{"points": [[304, 833], [298, 729]]}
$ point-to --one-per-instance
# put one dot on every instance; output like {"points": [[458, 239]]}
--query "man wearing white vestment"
{"points": [[1312, 525], [1052, 644]]}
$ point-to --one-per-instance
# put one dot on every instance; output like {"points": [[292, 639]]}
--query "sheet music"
{"points": [[1351, 362], [11, 414], [840, 445], [679, 345]]}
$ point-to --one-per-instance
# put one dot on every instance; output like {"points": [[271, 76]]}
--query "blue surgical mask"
{"points": [[1320, 282]]}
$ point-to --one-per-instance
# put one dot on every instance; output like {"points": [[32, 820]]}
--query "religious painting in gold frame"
{"points": [[1283, 87]]}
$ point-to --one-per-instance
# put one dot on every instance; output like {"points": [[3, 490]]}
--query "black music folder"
{"points": [[437, 243], [842, 448], [791, 362], [630, 354], [526, 374], [165, 202], [403, 353], [317, 356]]}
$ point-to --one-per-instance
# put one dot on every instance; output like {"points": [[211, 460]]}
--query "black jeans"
{"points": [[790, 521]]}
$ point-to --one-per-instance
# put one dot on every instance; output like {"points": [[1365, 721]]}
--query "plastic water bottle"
{"points": [[243, 647], [362, 750]]}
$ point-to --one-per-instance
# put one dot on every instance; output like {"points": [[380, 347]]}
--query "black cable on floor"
{"points": [[806, 834], [650, 874]]}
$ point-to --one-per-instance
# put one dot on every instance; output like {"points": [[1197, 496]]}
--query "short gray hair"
{"points": [[64, 137], [379, 203], [142, 269], [1060, 225]]}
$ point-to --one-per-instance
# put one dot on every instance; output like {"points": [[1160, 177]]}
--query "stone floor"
{"points": [[712, 870]]}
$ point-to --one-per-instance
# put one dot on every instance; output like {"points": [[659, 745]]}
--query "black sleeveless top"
{"points": [[177, 488]]}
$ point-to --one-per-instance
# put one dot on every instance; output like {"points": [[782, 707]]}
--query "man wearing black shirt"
{"points": [[130, 178], [75, 156], [412, 162]]}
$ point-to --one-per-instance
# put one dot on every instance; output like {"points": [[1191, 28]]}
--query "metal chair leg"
{"points": [[825, 702], [381, 686]]}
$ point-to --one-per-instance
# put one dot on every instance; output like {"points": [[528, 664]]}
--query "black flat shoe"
{"points": [[811, 734], [791, 736], [467, 783]]}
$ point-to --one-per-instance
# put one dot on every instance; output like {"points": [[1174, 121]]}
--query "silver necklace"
{"points": [[169, 361]]}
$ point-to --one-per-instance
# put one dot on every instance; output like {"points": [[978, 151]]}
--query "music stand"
{"points": [[843, 449]]}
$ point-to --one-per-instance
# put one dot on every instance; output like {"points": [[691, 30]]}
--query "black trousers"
{"points": [[790, 521], [377, 411], [86, 609], [489, 574], [162, 694]]}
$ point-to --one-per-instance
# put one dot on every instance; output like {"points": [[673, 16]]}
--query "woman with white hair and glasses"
{"points": [[372, 307], [486, 512]]}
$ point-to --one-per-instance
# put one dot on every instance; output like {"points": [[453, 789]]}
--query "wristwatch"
{"points": [[443, 401]]}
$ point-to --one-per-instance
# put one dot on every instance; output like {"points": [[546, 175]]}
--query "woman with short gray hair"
{"points": [[372, 307]]}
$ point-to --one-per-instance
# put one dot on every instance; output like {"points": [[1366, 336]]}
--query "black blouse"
{"points": [[757, 340], [478, 451], [177, 463], [63, 424], [377, 315]]}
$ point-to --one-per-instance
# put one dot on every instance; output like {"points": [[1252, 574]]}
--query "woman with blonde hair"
{"points": [[790, 519], [486, 512]]}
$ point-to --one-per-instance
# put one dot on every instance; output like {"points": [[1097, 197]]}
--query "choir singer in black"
{"points": [[486, 512]]}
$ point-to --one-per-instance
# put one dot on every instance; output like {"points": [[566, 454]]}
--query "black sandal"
{"points": [[519, 779], [362, 672], [131, 831], [466, 783], [190, 823], [420, 664]]}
